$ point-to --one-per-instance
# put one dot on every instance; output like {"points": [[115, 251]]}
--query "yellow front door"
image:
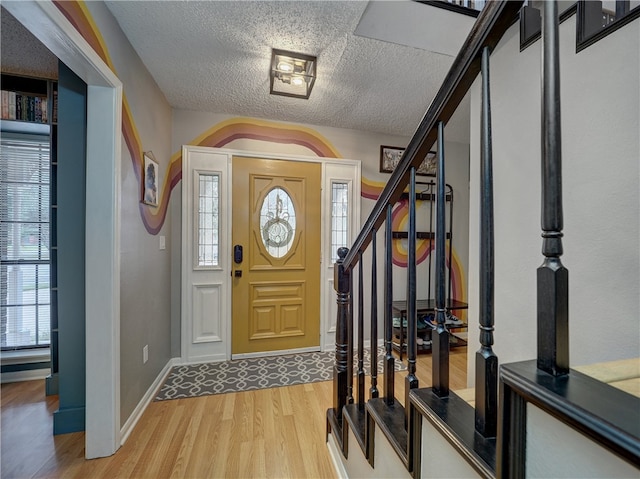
{"points": [[276, 255]]}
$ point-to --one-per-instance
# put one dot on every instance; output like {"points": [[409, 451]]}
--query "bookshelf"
{"points": [[29, 100]]}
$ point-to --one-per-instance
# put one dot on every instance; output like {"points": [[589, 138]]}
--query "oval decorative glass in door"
{"points": [[277, 222]]}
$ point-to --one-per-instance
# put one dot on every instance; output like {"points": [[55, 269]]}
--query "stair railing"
{"points": [[489, 28]]}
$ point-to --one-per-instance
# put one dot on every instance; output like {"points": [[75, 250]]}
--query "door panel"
{"points": [[205, 263], [207, 316], [276, 288]]}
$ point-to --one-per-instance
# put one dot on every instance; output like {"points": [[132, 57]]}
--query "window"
{"points": [[208, 217], [339, 217], [24, 241]]}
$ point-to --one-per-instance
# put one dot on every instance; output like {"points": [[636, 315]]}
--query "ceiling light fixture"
{"points": [[292, 74]]}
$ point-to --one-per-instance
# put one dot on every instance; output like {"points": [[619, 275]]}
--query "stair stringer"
{"points": [[387, 462]]}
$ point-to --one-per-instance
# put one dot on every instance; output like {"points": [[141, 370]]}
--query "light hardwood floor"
{"points": [[277, 433]]}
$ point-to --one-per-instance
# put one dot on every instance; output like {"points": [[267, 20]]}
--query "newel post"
{"points": [[342, 285]]}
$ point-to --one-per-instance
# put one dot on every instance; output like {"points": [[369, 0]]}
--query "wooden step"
{"points": [[454, 417], [391, 421], [356, 420]]}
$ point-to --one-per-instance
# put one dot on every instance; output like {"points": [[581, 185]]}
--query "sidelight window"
{"points": [[208, 219], [339, 217]]}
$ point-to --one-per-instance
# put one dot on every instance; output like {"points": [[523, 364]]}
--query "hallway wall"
{"points": [[601, 190], [145, 269]]}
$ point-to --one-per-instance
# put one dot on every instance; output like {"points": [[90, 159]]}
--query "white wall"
{"points": [[387, 464], [439, 458], [600, 124], [554, 450], [144, 268]]}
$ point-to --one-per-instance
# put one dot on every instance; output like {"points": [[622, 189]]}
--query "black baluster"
{"points": [[350, 350], [450, 280], [342, 285], [432, 196], [361, 376], [552, 277], [440, 337], [411, 381], [373, 390], [486, 360], [389, 361]]}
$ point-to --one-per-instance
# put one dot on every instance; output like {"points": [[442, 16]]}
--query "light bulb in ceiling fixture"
{"points": [[285, 66], [297, 81]]}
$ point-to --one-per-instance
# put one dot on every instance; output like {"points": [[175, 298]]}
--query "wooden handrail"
{"points": [[491, 25]]}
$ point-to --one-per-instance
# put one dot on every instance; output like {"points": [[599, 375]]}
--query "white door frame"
{"points": [[102, 235], [332, 169]]}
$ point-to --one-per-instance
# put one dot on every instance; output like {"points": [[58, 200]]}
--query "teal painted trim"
{"points": [[51, 385], [11, 368], [71, 181], [68, 420]]}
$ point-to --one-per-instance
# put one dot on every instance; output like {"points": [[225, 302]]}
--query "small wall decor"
{"points": [[390, 157], [150, 187]]}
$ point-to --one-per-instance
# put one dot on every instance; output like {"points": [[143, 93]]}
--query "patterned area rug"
{"points": [[255, 373]]}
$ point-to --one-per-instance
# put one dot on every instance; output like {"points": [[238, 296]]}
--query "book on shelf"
{"points": [[44, 106], [54, 112], [4, 95], [12, 105], [32, 109], [19, 106]]}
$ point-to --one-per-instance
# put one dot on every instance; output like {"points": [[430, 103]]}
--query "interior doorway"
{"points": [[102, 232]]}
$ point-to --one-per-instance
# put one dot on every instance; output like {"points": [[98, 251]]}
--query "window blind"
{"points": [[24, 241]]}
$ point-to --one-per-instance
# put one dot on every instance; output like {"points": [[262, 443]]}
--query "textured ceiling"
{"points": [[379, 63], [215, 56], [22, 53]]}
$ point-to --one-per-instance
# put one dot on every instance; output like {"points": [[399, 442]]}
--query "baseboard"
{"points": [[200, 359], [366, 343], [336, 457], [26, 375], [69, 419], [52, 384], [265, 354], [146, 399]]}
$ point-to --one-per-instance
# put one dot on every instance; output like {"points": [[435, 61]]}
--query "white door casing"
{"points": [[210, 288]]}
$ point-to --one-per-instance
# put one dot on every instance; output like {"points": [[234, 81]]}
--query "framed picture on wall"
{"points": [[150, 189], [390, 157]]}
